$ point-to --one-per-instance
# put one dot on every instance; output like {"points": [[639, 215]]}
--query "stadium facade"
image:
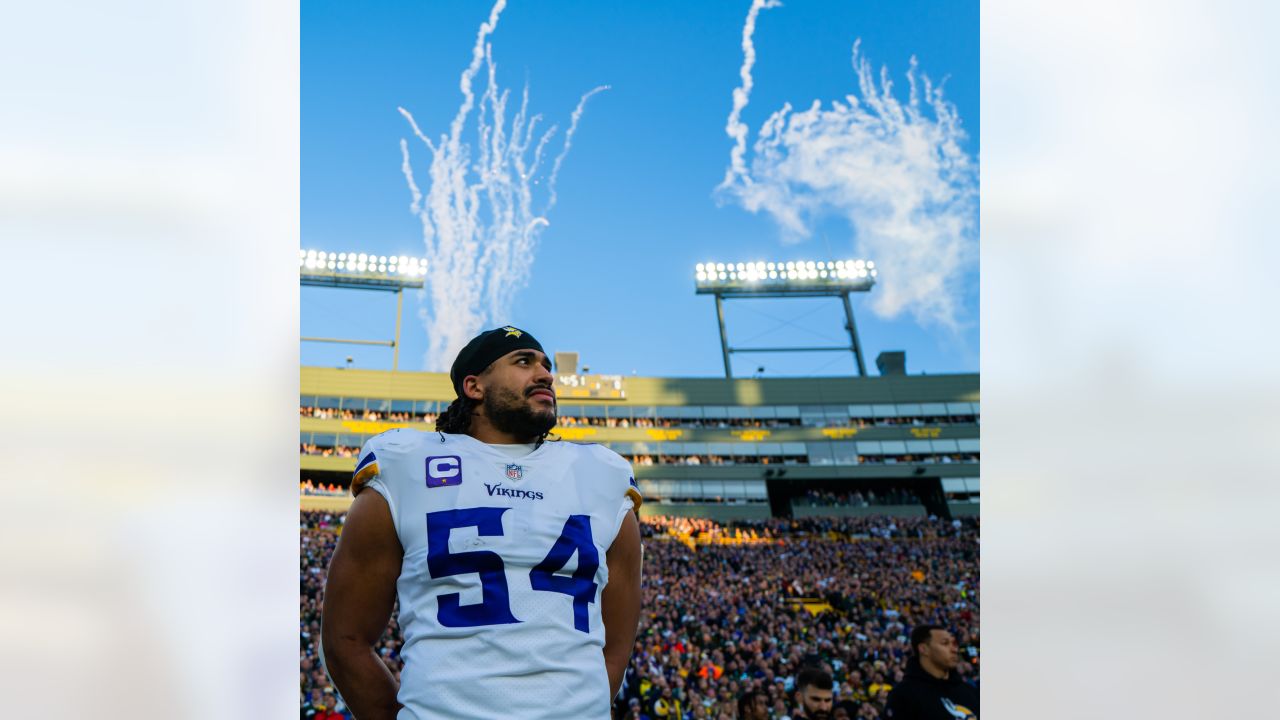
{"points": [[708, 447]]}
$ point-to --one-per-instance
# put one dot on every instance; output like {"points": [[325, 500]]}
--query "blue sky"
{"points": [[612, 276]]}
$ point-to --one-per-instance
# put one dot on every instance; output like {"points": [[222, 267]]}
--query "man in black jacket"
{"points": [[932, 690]]}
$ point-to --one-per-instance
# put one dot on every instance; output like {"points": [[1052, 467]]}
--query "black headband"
{"points": [[487, 347]]}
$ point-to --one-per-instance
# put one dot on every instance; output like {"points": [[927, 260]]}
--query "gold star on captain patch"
{"points": [[512, 331]]}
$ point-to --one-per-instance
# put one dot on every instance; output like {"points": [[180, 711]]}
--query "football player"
{"points": [[516, 561]]}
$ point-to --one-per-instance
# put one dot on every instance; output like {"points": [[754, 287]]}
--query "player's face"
{"points": [[943, 650], [519, 397], [816, 703]]}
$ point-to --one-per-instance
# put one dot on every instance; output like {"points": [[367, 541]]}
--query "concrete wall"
{"points": [[961, 387], [325, 502], [711, 511], [714, 511]]}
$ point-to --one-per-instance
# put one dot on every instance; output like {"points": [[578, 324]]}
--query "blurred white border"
{"points": [[1129, 355], [149, 217]]}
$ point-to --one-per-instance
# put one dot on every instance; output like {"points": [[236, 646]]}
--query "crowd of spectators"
{"points": [[645, 422], [318, 539], [660, 459], [725, 423], [693, 531], [855, 498], [729, 608], [345, 451], [370, 415], [941, 458], [308, 487]]}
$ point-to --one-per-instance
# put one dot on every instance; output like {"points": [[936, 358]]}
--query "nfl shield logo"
{"points": [[514, 472]]}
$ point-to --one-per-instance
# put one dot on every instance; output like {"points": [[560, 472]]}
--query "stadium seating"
{"points": [[821, 517], [770, 596]]}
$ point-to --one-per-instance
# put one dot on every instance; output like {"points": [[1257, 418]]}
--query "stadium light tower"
{"points": [[362, 271], [807, 278]]}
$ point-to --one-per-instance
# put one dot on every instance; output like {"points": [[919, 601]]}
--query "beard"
{"points": [[510, 413]]}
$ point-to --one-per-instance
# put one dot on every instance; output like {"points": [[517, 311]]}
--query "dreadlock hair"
{"points": [[457, 417]]}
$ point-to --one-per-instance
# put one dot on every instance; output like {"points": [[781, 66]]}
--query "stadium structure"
{"points": [[720, 448], [724, 449], [835, 514], [762, 447]]}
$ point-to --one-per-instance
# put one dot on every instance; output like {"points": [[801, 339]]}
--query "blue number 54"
{"points": [[495, 605]]}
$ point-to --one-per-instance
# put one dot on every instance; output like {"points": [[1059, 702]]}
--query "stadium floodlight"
{"points": [[796, 278], [360, 270], [791, 278]]}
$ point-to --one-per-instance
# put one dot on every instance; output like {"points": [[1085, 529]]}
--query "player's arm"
{"points": [[620, 601], [359, 594]]}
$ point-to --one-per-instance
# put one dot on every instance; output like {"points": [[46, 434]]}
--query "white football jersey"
{"points": [[504, 564]]}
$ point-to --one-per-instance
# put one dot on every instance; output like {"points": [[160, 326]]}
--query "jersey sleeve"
{"points": [[630, 495], [368, 475], [366, 467], [633, 492], [622, 486]]}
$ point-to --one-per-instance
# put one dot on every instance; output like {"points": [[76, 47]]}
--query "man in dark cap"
{"points": [[511, 400], [516, 561]]}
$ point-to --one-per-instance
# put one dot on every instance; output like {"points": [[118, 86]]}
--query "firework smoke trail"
{"points": [[568, 138], [895, 172], [741, 95], [484, 206]]}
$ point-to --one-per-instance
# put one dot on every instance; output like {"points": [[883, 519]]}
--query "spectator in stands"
{"points": [[753, 705], [634, 712], [932, 687], [844, 710], [813, 694], [666, 706]]}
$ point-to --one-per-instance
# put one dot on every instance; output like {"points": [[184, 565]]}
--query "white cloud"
{"points": [[894, 171]]}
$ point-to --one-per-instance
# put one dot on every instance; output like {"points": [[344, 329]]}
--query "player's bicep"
{"points": [[360, 590], [621, 597]]}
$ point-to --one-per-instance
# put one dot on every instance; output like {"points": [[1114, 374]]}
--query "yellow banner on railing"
{"points": [[665, 434], [370, 427], [839, 433], [574, 433]]}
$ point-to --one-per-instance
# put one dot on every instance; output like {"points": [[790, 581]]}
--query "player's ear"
{"points": [[471, 386]]}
